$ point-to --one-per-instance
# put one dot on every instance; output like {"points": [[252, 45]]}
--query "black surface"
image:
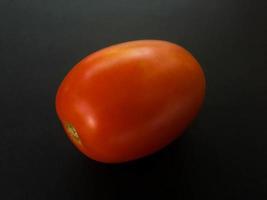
{"points": [[223, 155]]}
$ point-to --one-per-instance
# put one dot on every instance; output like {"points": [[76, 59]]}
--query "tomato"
{"points": [[130, 100]]}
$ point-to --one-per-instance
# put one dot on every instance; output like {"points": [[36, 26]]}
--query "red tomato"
{"points": [[130, 100]]}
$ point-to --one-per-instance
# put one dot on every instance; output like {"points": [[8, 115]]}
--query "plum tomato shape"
{"points": [[130, 100]]}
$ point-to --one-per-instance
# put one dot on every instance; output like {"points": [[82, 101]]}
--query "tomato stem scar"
{"points": [[72, 132]]}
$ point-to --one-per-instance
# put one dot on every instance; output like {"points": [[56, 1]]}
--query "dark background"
{"points": [[223, 155]]}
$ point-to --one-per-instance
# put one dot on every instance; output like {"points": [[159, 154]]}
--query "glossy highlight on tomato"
{"points": [[130, 100]]}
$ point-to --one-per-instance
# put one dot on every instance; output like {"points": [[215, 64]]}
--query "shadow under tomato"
{"points": [[164, 175]]}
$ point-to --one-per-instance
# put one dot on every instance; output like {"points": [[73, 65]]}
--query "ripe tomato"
{"points": [[130, 100]]}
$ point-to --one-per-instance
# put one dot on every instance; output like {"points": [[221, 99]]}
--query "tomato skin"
{"points": [[130, 100]]}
